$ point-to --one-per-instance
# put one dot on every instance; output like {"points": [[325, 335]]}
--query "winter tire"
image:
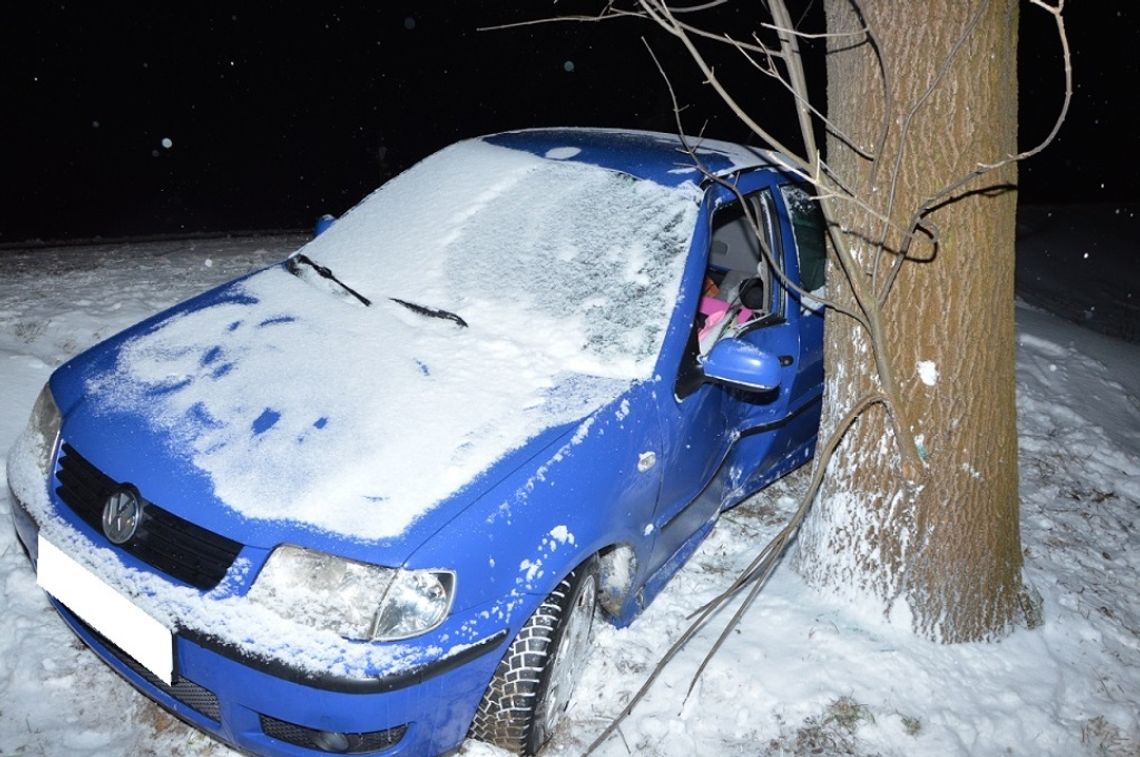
{"points": [[533, 683]]}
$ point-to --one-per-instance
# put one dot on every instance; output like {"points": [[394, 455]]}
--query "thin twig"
{"points": [[659, 12], [774, 548], [815, 35], [762, 568]]}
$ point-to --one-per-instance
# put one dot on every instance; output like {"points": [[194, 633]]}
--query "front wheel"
{"points": [[533, 683]]}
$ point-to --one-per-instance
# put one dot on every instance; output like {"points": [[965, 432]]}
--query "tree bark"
{"points": [[937, 543]]}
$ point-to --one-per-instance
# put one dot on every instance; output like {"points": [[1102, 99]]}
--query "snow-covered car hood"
{"points": [[299, 403], [302, 408]]}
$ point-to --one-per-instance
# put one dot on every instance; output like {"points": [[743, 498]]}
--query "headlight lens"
{"points": [[417, 600], [44, 424], [353, 599]]}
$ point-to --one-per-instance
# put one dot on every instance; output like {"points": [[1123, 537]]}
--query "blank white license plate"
{"points": [[106, 610]]}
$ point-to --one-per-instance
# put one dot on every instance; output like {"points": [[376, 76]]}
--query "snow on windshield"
{"points": [[302, 404], [588, 258]]}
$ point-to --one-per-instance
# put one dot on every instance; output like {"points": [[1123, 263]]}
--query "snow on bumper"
{"points": [[263, 683]]}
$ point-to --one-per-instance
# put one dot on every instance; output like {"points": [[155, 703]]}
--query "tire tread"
{"points": [[506, 713]]}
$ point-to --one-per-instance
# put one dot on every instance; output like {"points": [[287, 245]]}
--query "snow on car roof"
{"points": [[656, 156], [302, 404]]}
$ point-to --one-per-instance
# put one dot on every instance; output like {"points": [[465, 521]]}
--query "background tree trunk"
{"points": [[937, 544]]}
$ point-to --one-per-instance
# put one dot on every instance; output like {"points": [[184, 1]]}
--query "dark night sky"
{"points": [[161, 118]]}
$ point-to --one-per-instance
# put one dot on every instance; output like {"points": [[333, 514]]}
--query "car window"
{"points": [[740, 287], [809, 229]]}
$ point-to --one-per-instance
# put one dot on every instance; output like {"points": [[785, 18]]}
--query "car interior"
{"points": [[738, 280]]}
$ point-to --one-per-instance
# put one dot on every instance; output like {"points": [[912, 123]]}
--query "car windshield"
{"points": [[589, 258]]}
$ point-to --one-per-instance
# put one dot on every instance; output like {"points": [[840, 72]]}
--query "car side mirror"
{"points": [[742, 365]]}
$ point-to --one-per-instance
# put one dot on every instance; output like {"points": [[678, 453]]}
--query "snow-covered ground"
{"points": [[804, 675]]}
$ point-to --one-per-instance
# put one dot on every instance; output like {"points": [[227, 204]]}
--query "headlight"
{"points": [[353, 599], [44, 428]]}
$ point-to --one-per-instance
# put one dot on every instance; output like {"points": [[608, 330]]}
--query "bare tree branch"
{"points": [[761, 568], [753, 221], [816, 35], [757, 574], [904, 131], [918, 218], [659, 13], [770, 70], [701, 7], [860, 288]]}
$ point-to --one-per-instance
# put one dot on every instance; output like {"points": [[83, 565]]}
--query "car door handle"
{"points": [[786, 360]]}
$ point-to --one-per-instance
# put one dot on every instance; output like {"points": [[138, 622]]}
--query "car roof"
{"points": [[655, 156]]}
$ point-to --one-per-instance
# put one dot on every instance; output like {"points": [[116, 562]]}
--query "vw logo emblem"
{"points": [[122, 513]]}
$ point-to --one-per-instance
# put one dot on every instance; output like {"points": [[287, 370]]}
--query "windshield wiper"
{"points": [[293, 263], [447, 315]]}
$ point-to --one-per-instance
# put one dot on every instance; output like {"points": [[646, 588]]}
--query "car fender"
{"points": [[590, 491]]}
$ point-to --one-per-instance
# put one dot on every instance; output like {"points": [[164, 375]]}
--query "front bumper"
{"points": [[271, 708]]}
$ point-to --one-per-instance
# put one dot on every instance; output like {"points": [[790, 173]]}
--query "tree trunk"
{"points": [[935, 543]]}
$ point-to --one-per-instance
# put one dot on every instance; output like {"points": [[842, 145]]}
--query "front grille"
{"points": [[334, 742], [198, 698], [171, 544]]}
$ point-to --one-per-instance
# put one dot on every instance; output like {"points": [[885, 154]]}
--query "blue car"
{"points": [[371, 500]]}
